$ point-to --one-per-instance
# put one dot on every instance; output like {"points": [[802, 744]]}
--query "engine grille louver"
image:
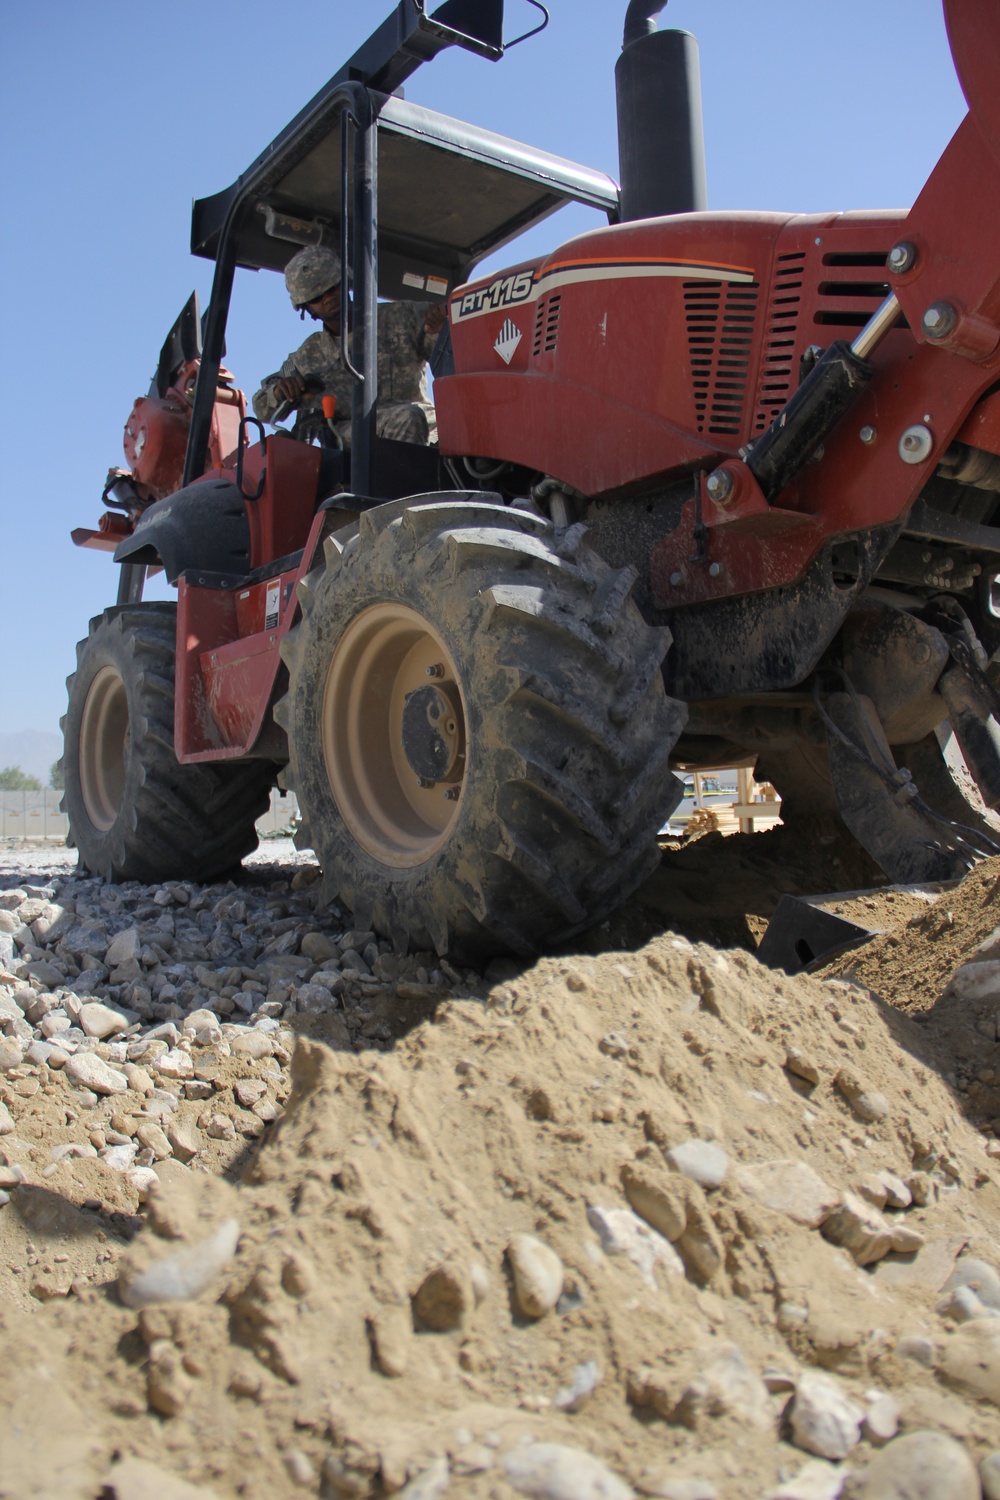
{"points": [[720, 320], [840, 302], [546, 324], [777, 375]]}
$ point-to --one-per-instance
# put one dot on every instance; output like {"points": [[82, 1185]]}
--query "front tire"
{"points": [[134, 812], [478, 730]]}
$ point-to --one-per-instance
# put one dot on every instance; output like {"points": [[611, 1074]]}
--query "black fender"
{"points": [[203, 526]]}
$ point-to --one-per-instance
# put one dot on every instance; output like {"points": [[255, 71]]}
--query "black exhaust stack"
{"points": [[661, 143]]}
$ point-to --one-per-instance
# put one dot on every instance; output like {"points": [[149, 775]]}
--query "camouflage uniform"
{"points": [[404, 348]]}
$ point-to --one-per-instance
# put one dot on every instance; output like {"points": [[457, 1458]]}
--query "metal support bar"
{"points": [[364, 339], [130, 582], [939, 526], [252, 187], [878, 325]]}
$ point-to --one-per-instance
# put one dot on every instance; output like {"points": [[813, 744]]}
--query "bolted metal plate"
{"points": [[431, 734]]}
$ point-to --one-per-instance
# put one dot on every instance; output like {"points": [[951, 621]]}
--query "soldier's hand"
{"points": [[434, 321], [290, 388]]}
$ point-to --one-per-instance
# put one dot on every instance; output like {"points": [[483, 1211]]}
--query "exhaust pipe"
{"points": [[661, 143]]}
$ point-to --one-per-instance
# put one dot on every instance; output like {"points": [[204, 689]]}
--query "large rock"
{"points": [[189, 1240], [319, 947], [970, 1359], [103, 1020], [824, 1419], [978, 1274], [727, 1386], [622, 1232], [552, 1471], [979, 980], [792, 1188], [921, 1466], [701, 1161], [656, 1197], [860, 1228], [124, 948], [816, 1480], [136, 1479], [11, 1055], [538, 1274], [989, 1474], [443, 1299], [88, 1071], [866, 1102]]}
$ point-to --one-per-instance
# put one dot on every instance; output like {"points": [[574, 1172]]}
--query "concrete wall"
{"points": [[36, 816]]}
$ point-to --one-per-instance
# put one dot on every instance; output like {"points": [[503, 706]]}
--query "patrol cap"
{"points": [[311, 272]]}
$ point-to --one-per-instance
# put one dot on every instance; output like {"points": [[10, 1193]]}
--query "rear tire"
{"points": [[134, 812], [478, 729]]}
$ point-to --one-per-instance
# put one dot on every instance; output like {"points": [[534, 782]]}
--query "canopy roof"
{"points": [[448, 193]]}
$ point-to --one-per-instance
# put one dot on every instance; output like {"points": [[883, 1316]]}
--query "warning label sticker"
{"points": [[507, 341], [272, 600]]}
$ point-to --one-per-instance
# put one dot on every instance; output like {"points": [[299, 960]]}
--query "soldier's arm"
{"points": [[286, 384], [427, 320]]}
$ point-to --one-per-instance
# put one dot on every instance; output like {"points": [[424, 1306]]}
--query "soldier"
{"points": [[407, 331]]}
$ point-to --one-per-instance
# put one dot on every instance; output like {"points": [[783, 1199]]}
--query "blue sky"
{"points": [[114, 116]]}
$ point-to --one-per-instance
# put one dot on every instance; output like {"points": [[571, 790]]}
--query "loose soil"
{"points": [[366, 1337]]}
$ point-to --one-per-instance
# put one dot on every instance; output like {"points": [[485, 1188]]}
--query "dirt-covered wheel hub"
{"points": [[394, 730], [104, 747], [477, 727]]}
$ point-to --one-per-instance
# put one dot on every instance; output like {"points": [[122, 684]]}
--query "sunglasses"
{"points": [[315, 301]]}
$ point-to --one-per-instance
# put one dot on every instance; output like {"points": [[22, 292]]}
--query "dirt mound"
{"points": [[637, 1219]]}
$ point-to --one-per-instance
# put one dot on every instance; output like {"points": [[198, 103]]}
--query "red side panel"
{"points": [[228, 659], [206, 618]]}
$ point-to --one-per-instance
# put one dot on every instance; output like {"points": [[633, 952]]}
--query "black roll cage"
{"points": [[352, 102], [355, 100]]}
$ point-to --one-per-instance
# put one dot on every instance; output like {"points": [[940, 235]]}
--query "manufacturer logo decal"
{"points": [[527, 286], [507, 341], [504, 292]]}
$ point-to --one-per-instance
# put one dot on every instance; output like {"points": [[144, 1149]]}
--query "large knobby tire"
{"points": [[478, 729], [134, 812]]}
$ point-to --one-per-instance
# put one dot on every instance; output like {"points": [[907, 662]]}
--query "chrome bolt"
{"points": [[868, 434], [916, 444], [424, 783], [451, 794], [902, 257], [714, 569], [719, 486], [437, 670], [676, 579], [939, 320]]}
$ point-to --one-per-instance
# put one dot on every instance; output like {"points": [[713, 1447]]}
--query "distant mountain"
{"points": [[33, 750]]}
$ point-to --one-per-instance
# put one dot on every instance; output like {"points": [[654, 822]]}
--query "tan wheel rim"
{"points": [[387, 654], [104, 744]]}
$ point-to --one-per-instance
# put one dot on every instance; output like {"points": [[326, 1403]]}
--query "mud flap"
{"points": [[881, 807]]}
